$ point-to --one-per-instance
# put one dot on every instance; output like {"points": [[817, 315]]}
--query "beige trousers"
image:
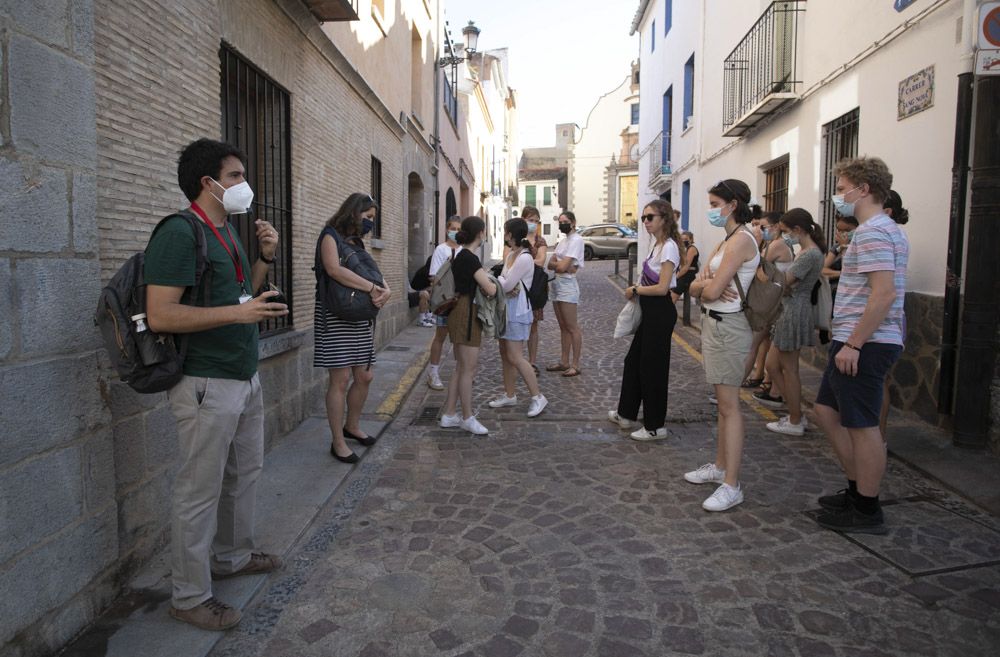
{"points": [[220, 427]]}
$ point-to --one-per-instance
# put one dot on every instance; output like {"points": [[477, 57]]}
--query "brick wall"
{"points": [[101, 171]]}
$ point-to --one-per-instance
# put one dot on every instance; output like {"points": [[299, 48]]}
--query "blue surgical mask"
{"points": [[532, 227], [452, 234], [715, 217], [367, 225], [844, 208], [792, 239], [768, 235], [849, 235]]}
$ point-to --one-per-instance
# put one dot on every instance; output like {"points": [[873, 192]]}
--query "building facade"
{"points": [[599, 143], [322, 107], [761, 92]]}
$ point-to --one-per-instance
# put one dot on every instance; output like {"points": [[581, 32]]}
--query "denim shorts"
{"points": [[565, 289], [441, 320], [858, 399], [517, 331]]}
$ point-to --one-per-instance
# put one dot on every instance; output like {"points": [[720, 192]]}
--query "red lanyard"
{"points": [[235, 258]]}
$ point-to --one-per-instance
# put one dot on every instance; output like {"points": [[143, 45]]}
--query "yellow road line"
{"points": [[393, 400], [745, 395]]}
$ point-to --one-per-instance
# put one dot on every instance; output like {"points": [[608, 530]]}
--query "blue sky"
{"points": [[563, 54]]}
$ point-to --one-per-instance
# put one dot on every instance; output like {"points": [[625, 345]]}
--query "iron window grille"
{"points": [[759, 75], [840, 141], [256, 118], [776, 184], [376, 194]]}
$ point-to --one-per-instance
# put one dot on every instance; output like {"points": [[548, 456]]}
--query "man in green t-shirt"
{"points": [[218, 402]]}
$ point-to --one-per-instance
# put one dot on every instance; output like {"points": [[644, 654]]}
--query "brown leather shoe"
{"points": [[212, 614], [260, 563]]}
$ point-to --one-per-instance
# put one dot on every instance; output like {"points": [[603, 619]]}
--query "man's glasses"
{"points": [[649, 217]]}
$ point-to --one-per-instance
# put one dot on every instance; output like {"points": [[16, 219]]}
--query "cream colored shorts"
{"points": [[725, 346]]}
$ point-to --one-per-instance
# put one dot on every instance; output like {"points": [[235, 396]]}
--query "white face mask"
{"points": [[235, 199]]}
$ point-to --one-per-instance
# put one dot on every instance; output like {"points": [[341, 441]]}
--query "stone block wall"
{"points": [[59, 526]]}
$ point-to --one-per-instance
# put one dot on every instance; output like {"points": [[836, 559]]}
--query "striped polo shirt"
{"points": [[878, 245]]}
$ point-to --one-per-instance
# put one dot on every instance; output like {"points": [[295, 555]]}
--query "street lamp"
{"points": [[471, 35]]}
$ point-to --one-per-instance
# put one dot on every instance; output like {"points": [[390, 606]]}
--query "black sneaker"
{"points": [[769, 401], [839, 501], [852, 521]]}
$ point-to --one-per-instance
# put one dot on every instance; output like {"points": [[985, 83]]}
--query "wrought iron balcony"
{"points": [[333, 10], [659, 160], [759, 75]]}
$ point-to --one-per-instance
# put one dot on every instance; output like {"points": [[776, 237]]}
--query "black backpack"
{"points": [[343, 302], [149, 362], [422, 277], [538, 293]]}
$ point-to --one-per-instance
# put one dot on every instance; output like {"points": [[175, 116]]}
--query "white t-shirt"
{"points": [[517, 276], [666, 253], [441, 254], [571, 246]]}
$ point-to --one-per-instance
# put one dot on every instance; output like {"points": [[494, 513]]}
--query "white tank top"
{"points": [[745, 272]]}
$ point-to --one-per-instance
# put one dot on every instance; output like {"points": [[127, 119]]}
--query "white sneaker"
{"points": [[434, 381], [785, 426], [622, 422], [538, 405], [724, 497], [428, 322], [450, 421], [472, 425], [712, 400], [645, 434], [706, 474], [503, 400]]}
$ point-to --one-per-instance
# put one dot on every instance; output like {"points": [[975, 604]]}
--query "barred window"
{"points": [[776, 184], [840, 141], [256, 118]]}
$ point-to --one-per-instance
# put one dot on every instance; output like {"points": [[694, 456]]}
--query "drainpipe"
{"points": [[436, 141], [956, 221], [980, 303]]}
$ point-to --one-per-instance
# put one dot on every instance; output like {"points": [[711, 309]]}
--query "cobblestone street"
{"points": [[559, 536]]}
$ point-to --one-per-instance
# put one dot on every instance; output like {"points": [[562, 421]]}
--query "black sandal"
{"points": [[367, 441]]}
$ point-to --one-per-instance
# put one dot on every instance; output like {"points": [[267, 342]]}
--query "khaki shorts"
{"points": [[460, 330], [725, 346]]}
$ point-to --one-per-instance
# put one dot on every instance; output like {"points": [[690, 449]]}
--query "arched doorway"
{"points": [[418, 229]]}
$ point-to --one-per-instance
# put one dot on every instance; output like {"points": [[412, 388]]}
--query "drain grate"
{"points": [[395, 348], [428, 414]]}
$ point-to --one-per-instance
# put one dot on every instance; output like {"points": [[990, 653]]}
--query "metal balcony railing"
{"points": [[659, 157], [759, 75]]}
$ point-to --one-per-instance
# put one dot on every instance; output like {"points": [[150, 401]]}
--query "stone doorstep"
{"points": [[285, 510]]}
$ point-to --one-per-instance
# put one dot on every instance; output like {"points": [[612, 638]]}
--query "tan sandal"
{"points": [[572, 371], [557, 368]]}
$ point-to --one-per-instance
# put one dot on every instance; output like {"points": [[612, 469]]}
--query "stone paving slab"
{"points": [[559, 536]]}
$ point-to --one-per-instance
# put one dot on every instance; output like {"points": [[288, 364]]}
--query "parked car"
{"points": [[608, 240]]}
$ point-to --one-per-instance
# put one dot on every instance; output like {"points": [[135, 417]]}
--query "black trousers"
{"points": [[647, 365]]}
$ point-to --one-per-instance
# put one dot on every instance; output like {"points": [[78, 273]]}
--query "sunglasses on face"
{"points": [[649, 217]]}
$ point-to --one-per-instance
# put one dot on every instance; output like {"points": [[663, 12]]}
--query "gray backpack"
{"points": [[443, 295], [762, 301]]}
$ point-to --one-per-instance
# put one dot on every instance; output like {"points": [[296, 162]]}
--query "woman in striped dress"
{"points": [[346, 348]]}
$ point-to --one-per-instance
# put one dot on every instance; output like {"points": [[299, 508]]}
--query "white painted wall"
{"points": [[549, 213], [598, 142], [918, 149]]}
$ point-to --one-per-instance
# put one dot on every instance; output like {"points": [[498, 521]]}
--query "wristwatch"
{"points": [[635, 290], [266, 261]]}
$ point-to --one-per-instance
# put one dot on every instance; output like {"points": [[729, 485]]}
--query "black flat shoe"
{"points": [[353, 458], [367, 441]]}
